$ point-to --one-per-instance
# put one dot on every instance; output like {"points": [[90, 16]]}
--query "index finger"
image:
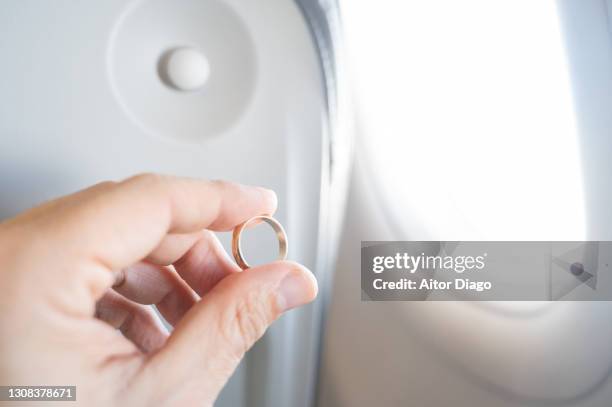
{"points": [[123, 222]]}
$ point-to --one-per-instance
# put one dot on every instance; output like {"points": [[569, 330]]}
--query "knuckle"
{"points": [[146, 178], [104, 186], [153, 184], [220, 184]]}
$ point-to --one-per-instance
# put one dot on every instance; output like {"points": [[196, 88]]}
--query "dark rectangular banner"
{"points": [[486, 271]]}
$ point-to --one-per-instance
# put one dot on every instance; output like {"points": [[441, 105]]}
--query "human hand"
{"points": [[150, 236]]}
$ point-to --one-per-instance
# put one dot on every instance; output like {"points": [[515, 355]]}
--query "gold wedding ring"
{"points": [[280, 235]]}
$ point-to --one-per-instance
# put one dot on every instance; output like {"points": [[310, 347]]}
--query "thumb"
{"points": [[211, 339]]}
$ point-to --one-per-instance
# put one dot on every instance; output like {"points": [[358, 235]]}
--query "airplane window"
{"points": [[470, 135]]}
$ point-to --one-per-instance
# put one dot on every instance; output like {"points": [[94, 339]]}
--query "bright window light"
{"points": [[467, 116]]}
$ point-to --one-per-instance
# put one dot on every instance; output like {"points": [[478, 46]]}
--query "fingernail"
{"points": [[270, 196], [119, 278], [297, 288]]}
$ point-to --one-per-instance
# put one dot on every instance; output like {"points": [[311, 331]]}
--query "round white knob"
{"points": [[185, 69]]}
